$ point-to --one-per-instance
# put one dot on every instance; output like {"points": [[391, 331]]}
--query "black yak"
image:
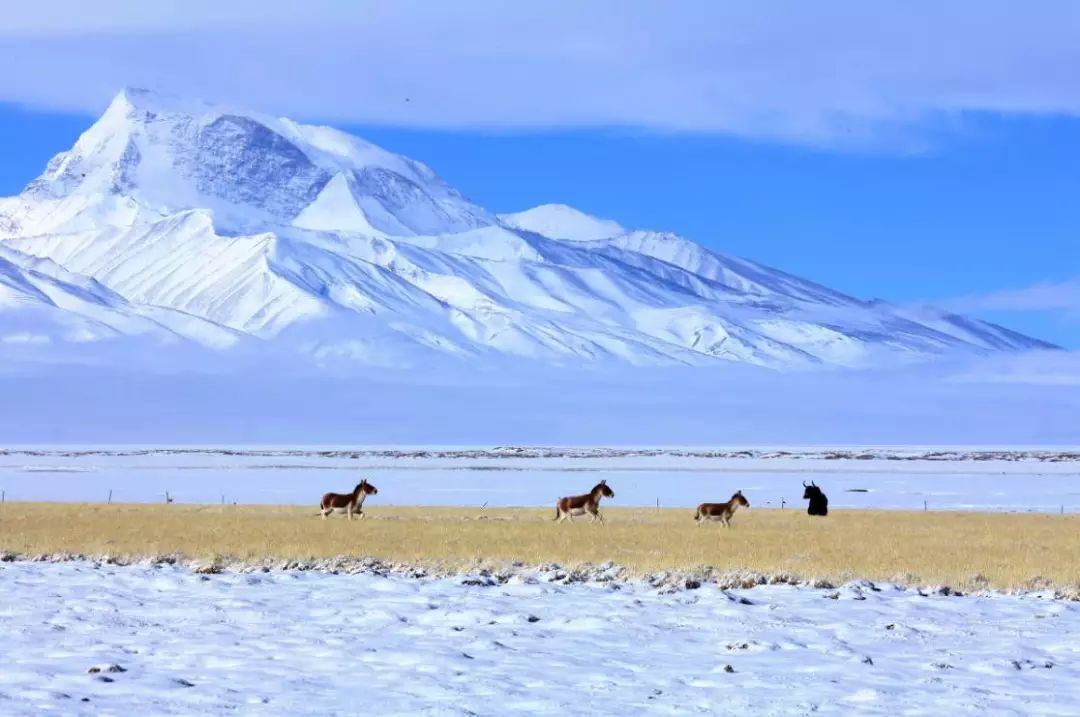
{"points": [[819, 504]]}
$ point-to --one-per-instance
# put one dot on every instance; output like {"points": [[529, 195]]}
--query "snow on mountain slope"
{"points": [[737, 273], [559, 221], [180, 262], [41, 303], [178, 219]]}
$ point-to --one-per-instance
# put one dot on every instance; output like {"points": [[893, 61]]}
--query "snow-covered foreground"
{"points": [[316, 643], [1043, 481]]}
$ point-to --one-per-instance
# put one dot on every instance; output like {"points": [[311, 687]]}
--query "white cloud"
{"points": [[832, 72], [1047, 368], [1059, 297]]}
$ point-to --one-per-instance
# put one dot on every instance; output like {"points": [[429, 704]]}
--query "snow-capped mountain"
{"points": [[182, 221], [558, 221]]}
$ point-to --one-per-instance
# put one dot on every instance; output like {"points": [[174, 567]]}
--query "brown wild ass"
{"points": [[581, 504], [349, 502], [720, 511]]}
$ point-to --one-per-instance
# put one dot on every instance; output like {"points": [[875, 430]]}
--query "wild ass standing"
{"points": [[573, 505], [819, 503], [721, 511], [349, 502]]}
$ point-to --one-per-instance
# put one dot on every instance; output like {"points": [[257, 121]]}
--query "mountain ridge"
{"points": [[311, 240]]}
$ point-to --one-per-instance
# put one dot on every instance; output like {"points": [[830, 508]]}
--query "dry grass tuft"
{"points": [[972, 550]]}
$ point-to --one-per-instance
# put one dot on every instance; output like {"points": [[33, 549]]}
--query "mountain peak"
{"points": [[182, 218], [249, 170], [155, 102], [559, 221], [141, 97]]}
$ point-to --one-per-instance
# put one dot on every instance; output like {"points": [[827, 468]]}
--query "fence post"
{"points": [[110, 496]]}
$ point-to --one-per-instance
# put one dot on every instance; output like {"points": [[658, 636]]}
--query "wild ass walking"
{"points": [[720, 511], [581, 504], [819, 503], [349, 502]]}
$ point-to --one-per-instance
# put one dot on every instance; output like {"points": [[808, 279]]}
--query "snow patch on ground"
{"points": [[87, 638]]}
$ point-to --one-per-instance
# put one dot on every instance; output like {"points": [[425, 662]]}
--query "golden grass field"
{"points": [[1009, 551]]}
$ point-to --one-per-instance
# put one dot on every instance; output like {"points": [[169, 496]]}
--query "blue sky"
{"points": [[929, 155]]}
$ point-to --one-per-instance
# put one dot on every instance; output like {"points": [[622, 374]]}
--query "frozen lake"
{"points": [[1045, 480]]}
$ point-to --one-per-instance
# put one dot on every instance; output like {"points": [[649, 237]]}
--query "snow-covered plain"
{"points": [[1037, 480], [288, 643]]}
